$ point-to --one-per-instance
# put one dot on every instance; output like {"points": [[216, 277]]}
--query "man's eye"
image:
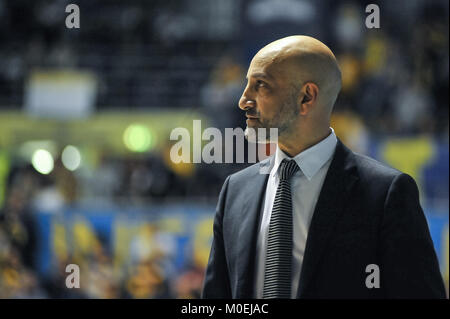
{"points": [[260, 84]]}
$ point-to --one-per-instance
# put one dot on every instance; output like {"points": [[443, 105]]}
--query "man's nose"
{"points": [[245, 102]]}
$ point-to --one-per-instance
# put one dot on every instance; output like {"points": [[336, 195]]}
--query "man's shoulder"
{"points": [[372, 169]]}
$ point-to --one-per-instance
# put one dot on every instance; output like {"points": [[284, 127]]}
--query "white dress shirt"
{"points": [[306, 184]]}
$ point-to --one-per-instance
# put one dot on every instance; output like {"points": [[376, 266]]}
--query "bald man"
{"points": [[325, 222]]}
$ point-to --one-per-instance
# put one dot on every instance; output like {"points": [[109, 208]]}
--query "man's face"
{"points": [[269, 99]]}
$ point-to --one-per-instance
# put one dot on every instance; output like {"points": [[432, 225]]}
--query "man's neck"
{"points": [[293, 146]]}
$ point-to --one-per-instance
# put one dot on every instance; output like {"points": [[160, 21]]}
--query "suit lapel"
{"points": [[330, 205], [251, 214]]}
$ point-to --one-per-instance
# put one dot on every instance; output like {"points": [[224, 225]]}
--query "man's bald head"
{"points": [[303, 59]]}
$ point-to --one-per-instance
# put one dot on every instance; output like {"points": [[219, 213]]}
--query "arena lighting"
{"points": [[138, 138], [28, 148], [42, 161], [71, 157]]}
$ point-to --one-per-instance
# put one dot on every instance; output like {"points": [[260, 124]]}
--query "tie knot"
{"points": [[288, 168]]}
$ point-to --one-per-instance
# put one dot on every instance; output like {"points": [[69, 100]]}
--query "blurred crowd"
{"points": [[149, 273], [397, 78], [166, 54]]}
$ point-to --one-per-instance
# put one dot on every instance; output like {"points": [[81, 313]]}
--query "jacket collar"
{"points": [[339, 181], [251, 216]]}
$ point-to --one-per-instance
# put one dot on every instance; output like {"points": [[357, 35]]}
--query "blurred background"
{"points": [[86, 114]]}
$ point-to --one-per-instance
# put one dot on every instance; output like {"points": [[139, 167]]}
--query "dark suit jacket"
{"points": [[367, 213]]}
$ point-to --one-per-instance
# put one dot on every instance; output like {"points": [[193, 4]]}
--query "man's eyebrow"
{"points": [[260, 75]]}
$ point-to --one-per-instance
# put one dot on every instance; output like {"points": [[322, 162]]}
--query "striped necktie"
{"points": [[277, 275]]}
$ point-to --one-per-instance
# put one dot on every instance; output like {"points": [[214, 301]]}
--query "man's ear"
{"points": [[310, 93]]}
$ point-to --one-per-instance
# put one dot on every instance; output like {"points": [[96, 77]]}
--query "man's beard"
{"points": [[280, 125]]}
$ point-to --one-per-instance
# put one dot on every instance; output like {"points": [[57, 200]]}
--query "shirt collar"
{"points": [[312, 159]]}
